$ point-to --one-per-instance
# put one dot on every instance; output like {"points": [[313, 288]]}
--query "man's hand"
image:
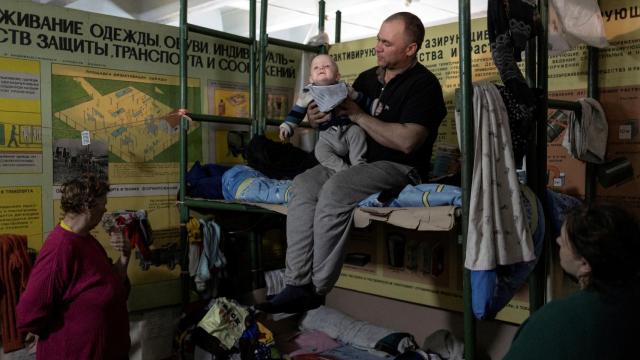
{"points": [[352, 110], [315, 116]]}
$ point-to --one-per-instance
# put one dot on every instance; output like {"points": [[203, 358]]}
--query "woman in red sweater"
{"points": [[76, 297]]}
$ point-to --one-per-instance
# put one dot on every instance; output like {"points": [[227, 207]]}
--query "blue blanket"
{"points": [[246, 184]]}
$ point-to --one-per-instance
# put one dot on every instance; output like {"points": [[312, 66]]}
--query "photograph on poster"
{"points": [[71, 159]]}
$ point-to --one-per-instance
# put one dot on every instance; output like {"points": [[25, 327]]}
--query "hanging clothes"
{"points": [[511, 23], [212, 256], [135, 227], [14, 273], [520, 135], [498, 232], [586, 136]]}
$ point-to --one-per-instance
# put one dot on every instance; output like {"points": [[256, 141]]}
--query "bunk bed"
{"points": [[536, 74], [439, 218]]}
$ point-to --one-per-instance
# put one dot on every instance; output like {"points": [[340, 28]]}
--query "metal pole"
{"points": [[252, 64], [537, 293], [533, 167], [321, 16], [530, 63], [262, 97], [593, 91], [466, 112], [184, 210], [338, 25]]}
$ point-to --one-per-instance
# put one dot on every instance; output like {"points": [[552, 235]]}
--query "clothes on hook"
{"points": [[510, 25]]}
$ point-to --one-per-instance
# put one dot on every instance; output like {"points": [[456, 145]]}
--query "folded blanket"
{"points": [[357, 333]]}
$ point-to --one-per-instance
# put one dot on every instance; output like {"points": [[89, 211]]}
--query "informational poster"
{"points": [[123, 114], [618, 179], [21, 213], [83, 92], [20, 117]]}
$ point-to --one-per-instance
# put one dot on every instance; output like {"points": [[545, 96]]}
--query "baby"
{"points": [[339, 139]]}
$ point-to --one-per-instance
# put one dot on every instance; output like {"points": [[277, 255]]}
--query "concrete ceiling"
{"points": [[294, 20]]}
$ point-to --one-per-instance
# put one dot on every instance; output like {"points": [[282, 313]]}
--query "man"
{"points": [[408, 108]]}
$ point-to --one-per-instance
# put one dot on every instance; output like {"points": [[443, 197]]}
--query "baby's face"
{"points": [[324, 71]]}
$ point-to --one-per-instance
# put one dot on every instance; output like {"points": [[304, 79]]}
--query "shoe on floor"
{"points": [[293, 300]]}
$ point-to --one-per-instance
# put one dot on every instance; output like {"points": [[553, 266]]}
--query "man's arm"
{"points": [[402, 137]]}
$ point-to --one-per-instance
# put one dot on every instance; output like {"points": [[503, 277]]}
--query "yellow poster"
{"points": [[21, 213], [20, 117], [122, 114]]}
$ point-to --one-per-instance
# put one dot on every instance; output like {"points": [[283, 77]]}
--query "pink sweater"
{"points": [[75, 302]]}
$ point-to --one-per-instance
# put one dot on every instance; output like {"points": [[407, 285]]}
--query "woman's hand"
{"points": [[120, 244], [31, 343], [315, 116]]}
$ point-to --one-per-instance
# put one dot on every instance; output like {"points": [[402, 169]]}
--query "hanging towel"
{"points": [[14, 273], [212, 256], [498, 232], [586, 137], [274, 281]]}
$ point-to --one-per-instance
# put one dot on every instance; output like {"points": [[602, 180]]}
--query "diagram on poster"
{"points": [[121, 116], [20, 117]]}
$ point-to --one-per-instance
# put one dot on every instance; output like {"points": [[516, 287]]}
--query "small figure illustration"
{"points": [[14, 136]]}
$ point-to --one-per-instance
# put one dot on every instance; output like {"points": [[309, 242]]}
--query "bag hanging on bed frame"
{"points": [[277, 160]]}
